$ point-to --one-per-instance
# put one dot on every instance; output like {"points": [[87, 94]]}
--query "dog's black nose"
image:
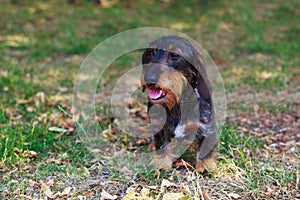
{"points": [[152, 73], [151, 78]]}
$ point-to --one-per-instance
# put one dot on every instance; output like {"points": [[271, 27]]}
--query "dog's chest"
{"points": [[179, 131]]}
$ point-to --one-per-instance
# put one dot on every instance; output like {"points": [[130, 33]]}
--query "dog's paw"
{"points": [[208, 164]]}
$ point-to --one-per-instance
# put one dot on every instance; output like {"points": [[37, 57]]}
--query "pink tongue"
{"points": [[155, 93]]}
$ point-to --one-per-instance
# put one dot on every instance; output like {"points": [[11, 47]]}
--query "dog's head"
{"points": [[169, 64]]}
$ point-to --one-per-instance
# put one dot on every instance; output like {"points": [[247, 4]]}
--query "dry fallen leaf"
{"points": [[4, 73], [47, 191], [270, 191], [80, 197], [66, 191], [30, 154], [57, 129], [63, 89], [32, 183], [67, 123], [130, 195], [39, 99], [57, 146], [30, 109], [172, 196], [234, 195], [25, 101], [50, 182], [166, 183], [144, 194], [106, 195], [22, 196], [108, 3]]}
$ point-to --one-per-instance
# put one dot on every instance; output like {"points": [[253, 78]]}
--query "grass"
{"points": [[43, 43]]}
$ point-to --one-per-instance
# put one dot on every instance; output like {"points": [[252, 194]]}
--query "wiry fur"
{"points": [[173, 65]]}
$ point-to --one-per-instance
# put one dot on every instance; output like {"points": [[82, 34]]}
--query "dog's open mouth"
{"points": [[156, 93]]}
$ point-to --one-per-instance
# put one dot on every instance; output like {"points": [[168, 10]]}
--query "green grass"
{"points": [[42, 43]]}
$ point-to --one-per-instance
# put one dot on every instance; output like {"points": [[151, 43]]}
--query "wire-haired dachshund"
{"points": [[175, 78]]}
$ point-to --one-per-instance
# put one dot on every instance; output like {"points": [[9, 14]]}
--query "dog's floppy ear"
{"points": [[144, 56], [203, 86]]}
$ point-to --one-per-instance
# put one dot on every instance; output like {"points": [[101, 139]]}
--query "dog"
{"points": [[175, 78]]}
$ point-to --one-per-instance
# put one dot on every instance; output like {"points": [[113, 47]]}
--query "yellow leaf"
{"points": [[172, 196], [47, 191], [25, 197], [144, 194], [131, 195], [66, 191]]}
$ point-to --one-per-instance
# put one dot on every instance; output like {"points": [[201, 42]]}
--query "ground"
{"points": [[255, 44]]}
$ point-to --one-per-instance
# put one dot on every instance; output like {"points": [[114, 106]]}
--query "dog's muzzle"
{"points": [[152, 73]]}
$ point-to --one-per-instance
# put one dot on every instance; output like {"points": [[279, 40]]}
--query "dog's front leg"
{"points": [[205, 146], [163, 158]]}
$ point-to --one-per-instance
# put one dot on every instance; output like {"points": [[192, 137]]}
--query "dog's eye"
{"points": [[173, 56], [151, 54]]}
